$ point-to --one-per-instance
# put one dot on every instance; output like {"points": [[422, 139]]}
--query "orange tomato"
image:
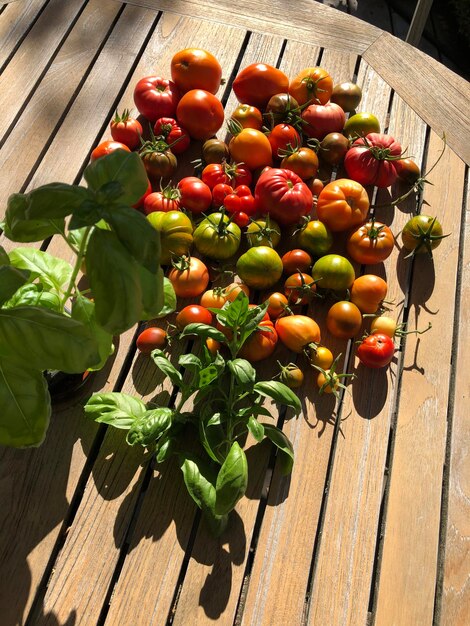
{"points": [[370, 243], [200, 113], [312, 84], [106, 147], [232, 290], [277, 304], [248, 116], [194, 68], [213, 345], [367, 292], [302, 161], [342, 204], [344, 319], [297, 331], [213, 299], [261, 344], [257, 83], [252, 148]]}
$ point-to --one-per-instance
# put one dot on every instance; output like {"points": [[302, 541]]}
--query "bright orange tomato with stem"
{"points": [[370, 243], [277, 304], [251, 147], [213, 298], [367, 292], [297, 331], [313, 85], [342, 204]]}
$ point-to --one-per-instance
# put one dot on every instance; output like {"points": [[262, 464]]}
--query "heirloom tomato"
{"points": [[408, 171], [315, 237], [232, 291], [372, 159], [193, 314], [296, 261], [215, 151], [165, 200], [176, 137], [260, 344], [283, 195], [159, 161], [282, 107], [257, 82], [213, 298], [216, 237], [297, 331], [344, 319], [422, 233], [106, 147], [385, 325], [126, 129], [190, 278], [222, 173], [150, 339], [260, 267], [302, 161], [333, 148], [194, 68], [322, 119], [368, 292], [347, 95], [361, 124], [156, 97], [200, 113], [342, 204], [248, 116], [312, 84], [376, 350], [371, 243], [195, 195], [321, 357], [333, 271], [252, 148], [299, 288], [175, 230], [292, 376], [282, 137], [277, 304], [263, 232]]}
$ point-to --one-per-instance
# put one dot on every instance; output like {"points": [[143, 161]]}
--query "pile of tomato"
{"points": [[264, 206]]}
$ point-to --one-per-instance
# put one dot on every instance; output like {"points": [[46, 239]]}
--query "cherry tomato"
{"points": [[125, 129], [175, 136], [213, 345], [321, 357], [241, 219], [291, 376], [422, 233], [106, 147], [232, 203], [344, 319], [219, 193], [376, 350], [407, 170], [200, 113], [151, 339], [296, 261], [193, 314], [194, 68], [383, 324]]}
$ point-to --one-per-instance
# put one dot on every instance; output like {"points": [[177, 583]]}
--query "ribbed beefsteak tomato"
{"points": [[283, 195]]}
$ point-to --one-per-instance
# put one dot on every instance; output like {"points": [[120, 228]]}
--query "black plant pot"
{"points": [[64, 386]]}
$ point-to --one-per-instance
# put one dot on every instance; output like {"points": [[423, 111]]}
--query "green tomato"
{"points": [[175, 230], [333, 271], [260, 267], [216, 237], [263, 233], [361, 124], [422, 233], [315, 237]]}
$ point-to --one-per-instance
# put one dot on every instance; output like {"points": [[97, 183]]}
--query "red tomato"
{"points": [[125, 129], [141, 202], [283, 136], [256, 84], [232, 203], [299, 288], [322, 119], [190, 281], [283, 195], [408, 171], [106, 147], [248, 204], [156, 97], [241, 219], [151, 339], [222, 173], [376, 350], [200, 113], [219, 193], [296, 261], [166, 200], [261, 344], [194, 68], [195, 195], [175, 136], [372, 160], [277, 304], [193, 314]]}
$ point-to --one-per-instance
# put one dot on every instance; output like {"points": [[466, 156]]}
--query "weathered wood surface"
{"points": [[371, 525]]}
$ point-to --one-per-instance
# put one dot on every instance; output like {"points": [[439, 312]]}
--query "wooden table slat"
{"points": [[16, 20]]}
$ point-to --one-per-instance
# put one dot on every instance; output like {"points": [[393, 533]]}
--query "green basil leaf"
{"points": [[286, 451], [279, 392], [52, 272], [255, 428], [83, 310], [237, 311], [117, 409], [163, 364], [33, 294], [44, 339], [254, 316], [18, 227], [203, 331], [199, 480], [11, 279], [75, 237], [149, 427], [169, 300], [153, 294], [164, 448], [87, 214], [26, 405], [232, 480], [190, 362], [123, 167], [55, 200], [136, 234], [255, 410], [115, 282], [212, 434], [4, 258], [243, 371]]}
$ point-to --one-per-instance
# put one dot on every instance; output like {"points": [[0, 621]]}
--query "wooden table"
{"points": [[373, 525]]}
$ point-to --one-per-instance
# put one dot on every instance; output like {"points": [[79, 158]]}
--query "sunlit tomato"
{"points": [[372, 159], [384, 324], [200, 113], [159, 161], [260, 344], [194, 68], [296, 261], [248, 116], [191, 279], [282, 137], [263, 232], [282, 107], [221, 173], [241, 219], [125, 129], [333, 148], [291, 376], [321, 119], [408, 171], [342, 204], [312, 84], [297, 331], [141, 201], [371, 243], [321, 357], [361, 124], [252, 148], [260, 267], [156, 97], [422, 233], [216, 237], [231, 202], [166, 200], [175, 136], [195, 195], [315, 237], [283, 195], [376, 351], [193, 314], [175, 230], [212, 345], [347, 95], [151, 339], [344, 319], [106, 147], [213, 298], [333, 271], [232, 291], [219, 193], [215, 151], [277, 304], [299, 288], [367, 292], [302, 161], [248, 204], [256, 84]]}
